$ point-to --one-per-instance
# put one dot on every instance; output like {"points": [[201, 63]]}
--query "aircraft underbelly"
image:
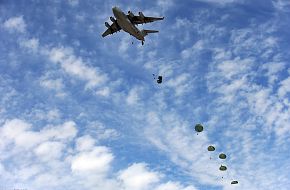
{"points": [[127, 27]]}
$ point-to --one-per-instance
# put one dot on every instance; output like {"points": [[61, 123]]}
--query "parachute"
{"points": [[198, 128], [222, 156], [211, 148], [223, 168]]}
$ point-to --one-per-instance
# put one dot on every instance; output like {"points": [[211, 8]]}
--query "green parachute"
{"points": [[211, 148], [222, 156], [198, 128], [234, 182], [223, 168]]}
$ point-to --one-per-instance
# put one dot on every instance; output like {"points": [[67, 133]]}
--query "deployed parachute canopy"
{"points": [[234, 182], [222, 156], [223, 168], [211, 148], [198, 128]]}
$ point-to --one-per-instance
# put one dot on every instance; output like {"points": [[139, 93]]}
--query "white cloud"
{"points": [[35, 145], [165, 4], [273, 68], [234, 68], [133, 97], [28, 172], [103, 92], [86, 166], [13, 128], [174, 186], [71, 64], [65, 131], [180, 84], [31, 44], [124, 44], [181, 23], [138, 177], [85, 143], [54, 181], [15, 24], [197, 47], [49, 150], [75, 66], [54, 84], [21, 133], [17, 131], [284, 88], [53, 114], [236, 78], [97, 161], [49, 115], [101, 132]]}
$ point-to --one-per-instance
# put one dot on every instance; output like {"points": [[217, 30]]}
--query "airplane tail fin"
{"points": [[146, 32]]}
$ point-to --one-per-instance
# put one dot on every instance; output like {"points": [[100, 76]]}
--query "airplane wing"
{"points": [[111, 29], [143, 19]]}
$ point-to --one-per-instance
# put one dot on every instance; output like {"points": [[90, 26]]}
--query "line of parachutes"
{"points": [[199, 128]]}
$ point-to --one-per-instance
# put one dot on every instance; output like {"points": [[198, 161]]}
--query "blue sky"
{"points": [[78, 111]]}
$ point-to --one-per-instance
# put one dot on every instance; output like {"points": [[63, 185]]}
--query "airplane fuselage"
{"points": [[124, 22]]}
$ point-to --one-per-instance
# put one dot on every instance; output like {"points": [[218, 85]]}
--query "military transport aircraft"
{"points": [[127, 22]]}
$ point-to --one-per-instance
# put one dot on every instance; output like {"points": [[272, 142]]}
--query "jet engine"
{"points": [[141, 15], [107, 25], [131, 15], [113, 19]]}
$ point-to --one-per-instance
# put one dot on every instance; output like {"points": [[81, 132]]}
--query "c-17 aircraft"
{"points": [[128, 23]]}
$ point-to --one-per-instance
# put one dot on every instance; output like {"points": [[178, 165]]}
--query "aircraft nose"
{"points": [[115, 10]]}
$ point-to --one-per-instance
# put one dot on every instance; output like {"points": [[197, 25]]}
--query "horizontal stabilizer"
{"points": [[150, 31], [145, 32]]}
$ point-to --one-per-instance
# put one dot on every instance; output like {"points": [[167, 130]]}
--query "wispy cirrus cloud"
{"points": [[76, 67]]}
